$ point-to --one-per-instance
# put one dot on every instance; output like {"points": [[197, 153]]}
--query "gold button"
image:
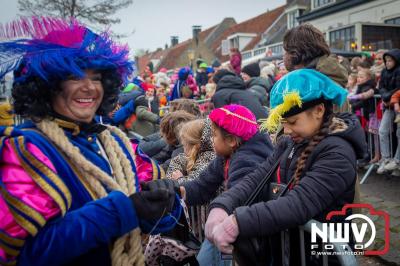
{"points": [[90, 139]]}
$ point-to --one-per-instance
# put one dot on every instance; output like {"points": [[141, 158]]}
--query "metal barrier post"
{"points": [[192, 219], [370, 139], [364, 178], [302, 249], [199, 222]]}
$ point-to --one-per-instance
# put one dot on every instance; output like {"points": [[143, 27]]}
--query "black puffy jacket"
{"points": [[259, 86], [367, 105], [232, 89], [390, 79]]}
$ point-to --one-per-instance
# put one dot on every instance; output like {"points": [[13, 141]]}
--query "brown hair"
{"points": [[367, 71], [355, 62], [187, 105], [171, 124], [365, 64], [190, 134], [317, 138], [234, 50], [353, 75], [303, 44], [186, 92]]}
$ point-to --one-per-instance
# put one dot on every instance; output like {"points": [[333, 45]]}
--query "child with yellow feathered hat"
{"points": [[316, 162]]}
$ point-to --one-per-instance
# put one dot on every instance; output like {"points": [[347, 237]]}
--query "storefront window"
{"points": [[380, 37], [321, 3], [393, 21], [276, 49], [342, 39]]}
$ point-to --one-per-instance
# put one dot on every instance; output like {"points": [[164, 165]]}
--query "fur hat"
{"points": [[253, 70], [235, 119]]}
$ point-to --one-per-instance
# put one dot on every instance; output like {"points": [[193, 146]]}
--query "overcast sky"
{"points": [[154, 21]]}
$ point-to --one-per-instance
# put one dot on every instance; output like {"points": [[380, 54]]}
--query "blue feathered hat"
{"points": [[298, 91], [53, 48]]}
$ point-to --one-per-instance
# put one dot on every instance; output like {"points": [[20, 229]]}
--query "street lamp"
{"points": [[353, 46], [190, 54]]}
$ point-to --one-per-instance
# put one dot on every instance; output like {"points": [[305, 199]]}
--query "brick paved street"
{"points": [[383, 193]]}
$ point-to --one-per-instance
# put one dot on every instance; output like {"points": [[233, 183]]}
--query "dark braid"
{"points": [[317, 138]]}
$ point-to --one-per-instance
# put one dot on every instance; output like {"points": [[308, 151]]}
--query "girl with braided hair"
{"points": [[317, 161], [69, 189]]}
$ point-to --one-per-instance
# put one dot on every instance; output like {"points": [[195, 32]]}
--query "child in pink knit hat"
{"points": [[239, 147], [236, 120]]}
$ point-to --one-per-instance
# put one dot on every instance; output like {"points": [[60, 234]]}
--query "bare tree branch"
{"points": [[94, 12]]}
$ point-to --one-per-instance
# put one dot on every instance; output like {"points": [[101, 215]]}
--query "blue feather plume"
{"points": [[54, 56]]}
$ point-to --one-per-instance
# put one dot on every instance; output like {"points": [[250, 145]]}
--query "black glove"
{"points": [[151, 205], [168, 184]]}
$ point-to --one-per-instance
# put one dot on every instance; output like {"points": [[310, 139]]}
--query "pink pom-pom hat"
{"points": [[236, 120]]}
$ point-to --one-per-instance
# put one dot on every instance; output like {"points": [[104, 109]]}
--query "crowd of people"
{"points": [[370, 79], [103, 154]]}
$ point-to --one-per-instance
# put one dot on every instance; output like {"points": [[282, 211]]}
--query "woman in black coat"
{"points": [[231, 89]]}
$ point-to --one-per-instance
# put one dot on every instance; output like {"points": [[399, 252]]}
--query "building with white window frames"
{"points": [[356, 25]]}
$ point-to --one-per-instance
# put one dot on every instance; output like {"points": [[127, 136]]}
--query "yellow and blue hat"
{"points": [[299, 90]]}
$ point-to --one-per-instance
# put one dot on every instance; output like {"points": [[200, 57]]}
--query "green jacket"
{"points": [[146, 122]]}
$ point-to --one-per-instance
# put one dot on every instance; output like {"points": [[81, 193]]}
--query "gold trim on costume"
{"points": [[162, 172], [9, 250], [22, 207], [35, 176], [10, 263], [12, 240], [155, 171], [24, 223], [70, 125], [8, 131], [238, 116], [48, 172], [80, 177], [70, 164]]}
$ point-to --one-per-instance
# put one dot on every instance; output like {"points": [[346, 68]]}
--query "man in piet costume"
{"points": [[69, 187]]}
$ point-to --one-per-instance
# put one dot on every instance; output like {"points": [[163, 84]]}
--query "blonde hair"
{"points": [[190, 134], [353, 75], [210, 89]]}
